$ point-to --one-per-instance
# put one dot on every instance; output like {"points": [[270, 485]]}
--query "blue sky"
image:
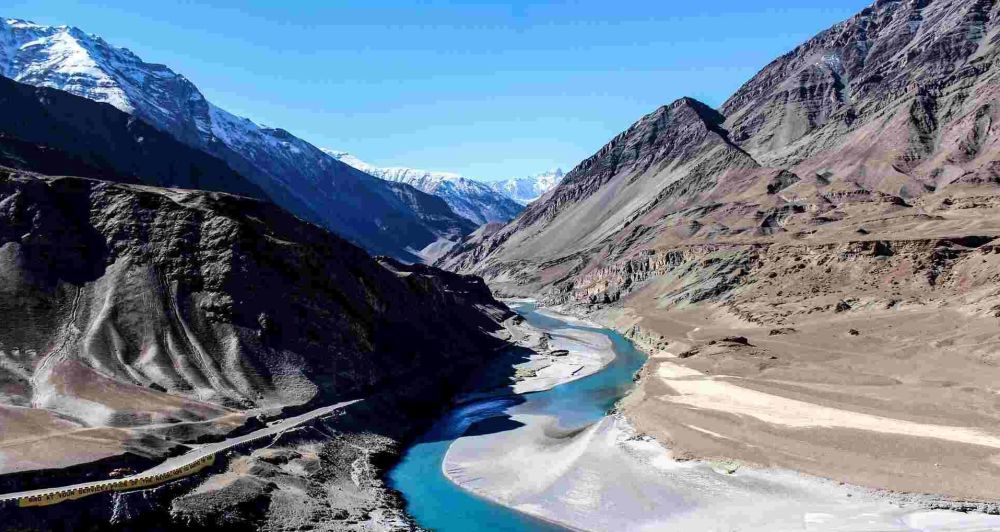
{"points": [[485, 89]]}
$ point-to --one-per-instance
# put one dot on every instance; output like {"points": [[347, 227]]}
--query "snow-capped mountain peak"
{"points": [[348, 159], [469, 198], [67, 58], [294, 173], [399, 174], [525, 190]]}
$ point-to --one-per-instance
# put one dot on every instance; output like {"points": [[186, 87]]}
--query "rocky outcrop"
{"points": [[811, 278]]}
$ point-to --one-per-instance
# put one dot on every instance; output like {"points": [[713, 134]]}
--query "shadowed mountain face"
{"points": [[895, 105], [292, 172], [113, 294], [56, 133]]}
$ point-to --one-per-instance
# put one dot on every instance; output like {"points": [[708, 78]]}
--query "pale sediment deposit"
{"points": [[577, 354], [606, 476]]}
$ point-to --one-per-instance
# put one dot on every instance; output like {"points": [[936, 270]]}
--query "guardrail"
{"points": [[46, 497], [124, 484], [130, 483]]}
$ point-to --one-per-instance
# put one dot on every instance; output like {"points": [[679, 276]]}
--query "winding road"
{"points": [[172, 468]]}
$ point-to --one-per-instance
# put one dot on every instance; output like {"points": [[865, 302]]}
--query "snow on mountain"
{"points": [[468, 198], [525, 190], [294, 174]]}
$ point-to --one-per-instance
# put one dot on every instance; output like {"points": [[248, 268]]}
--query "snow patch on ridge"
{"points": [[525, 190], [469, 198]]}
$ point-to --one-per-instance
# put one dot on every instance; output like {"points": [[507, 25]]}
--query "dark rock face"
{"points": [[114, 291], [56, 133], [126, 306], [916, 66], [433, 211]]}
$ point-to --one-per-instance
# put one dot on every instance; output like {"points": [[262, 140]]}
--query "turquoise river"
{"points": [[438, 504]]}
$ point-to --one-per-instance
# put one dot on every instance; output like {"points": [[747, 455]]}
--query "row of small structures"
{"points": [[51, 496], [124, 484], [135, 482]]}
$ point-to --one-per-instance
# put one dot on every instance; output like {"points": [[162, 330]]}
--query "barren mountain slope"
{"points": [[128, 306], [899, 98], [666, 157], [838, 219]]}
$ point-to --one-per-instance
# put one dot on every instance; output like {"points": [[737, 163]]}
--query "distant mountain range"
{"points": [[470, 199], [478, 200], [382, 217], [525, 190]]}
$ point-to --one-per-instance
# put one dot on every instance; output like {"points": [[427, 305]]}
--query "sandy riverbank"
{"points": [[545, 359], [605, 477]]}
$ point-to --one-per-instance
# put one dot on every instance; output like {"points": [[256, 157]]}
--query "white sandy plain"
{"points": [[589, 352], [702, 391]]}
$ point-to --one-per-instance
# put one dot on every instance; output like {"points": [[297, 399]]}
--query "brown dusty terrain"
{"points": [[867, 356], [857, 367]]}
